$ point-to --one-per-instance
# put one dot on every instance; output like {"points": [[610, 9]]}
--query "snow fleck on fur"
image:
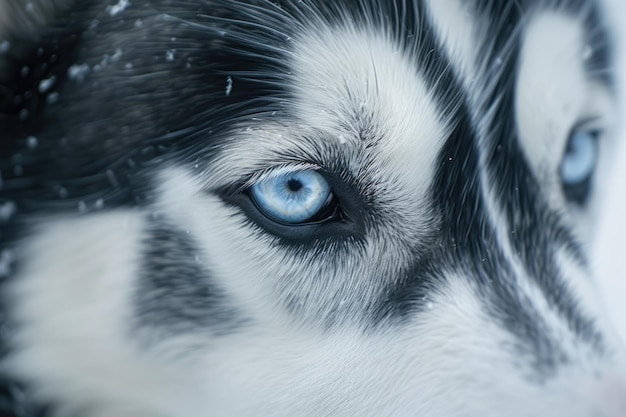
{"points": [[118, 8]]}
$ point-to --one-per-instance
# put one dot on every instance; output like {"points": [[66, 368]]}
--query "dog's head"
{"points": [[311, 208]]}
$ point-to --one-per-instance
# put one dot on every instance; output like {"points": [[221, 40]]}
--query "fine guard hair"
{"points": [[311, 208]]}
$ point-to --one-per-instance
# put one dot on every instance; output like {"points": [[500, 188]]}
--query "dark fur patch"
{"points": [[175, 293]]}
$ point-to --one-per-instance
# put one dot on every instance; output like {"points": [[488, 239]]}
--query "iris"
{"points": [[293, 197], [579, 161]]}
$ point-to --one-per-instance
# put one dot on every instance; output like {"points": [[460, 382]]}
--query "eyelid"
{"points": [[591, 123], [276, 171]]}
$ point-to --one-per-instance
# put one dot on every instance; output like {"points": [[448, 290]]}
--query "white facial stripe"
{"points": [[222, 232], [551, 85], [553, 93], [456, 27]]}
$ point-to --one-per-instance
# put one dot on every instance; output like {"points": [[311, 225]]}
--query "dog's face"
{"points": [[310, 208]]}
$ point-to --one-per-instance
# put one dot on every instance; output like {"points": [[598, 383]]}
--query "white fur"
{"points": [[610, 262], [458, 31], [375, 77], [73, 297], [73, 308]]}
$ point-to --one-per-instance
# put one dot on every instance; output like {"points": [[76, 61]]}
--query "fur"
{"points": [[141, 279]]}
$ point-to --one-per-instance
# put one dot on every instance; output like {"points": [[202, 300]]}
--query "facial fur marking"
{"points": [[175, 292], [441, 273]]}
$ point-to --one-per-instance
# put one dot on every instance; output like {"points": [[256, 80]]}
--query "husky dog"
{"points": [[313, 208]]}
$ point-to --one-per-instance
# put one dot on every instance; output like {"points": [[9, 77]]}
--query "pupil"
{"points": [[294, 185]]}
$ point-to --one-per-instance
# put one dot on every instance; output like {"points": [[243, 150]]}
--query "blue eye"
{"points": [[579, 164], [580, 157], [293, 197]]}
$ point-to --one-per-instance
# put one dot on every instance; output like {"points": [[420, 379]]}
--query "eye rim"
{"points": [[327, 211], [347, 224], [579, 192]]}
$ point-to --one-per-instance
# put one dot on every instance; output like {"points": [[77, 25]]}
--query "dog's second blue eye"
{"points": [[579, 161], [579, 164], [293, 197]]}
